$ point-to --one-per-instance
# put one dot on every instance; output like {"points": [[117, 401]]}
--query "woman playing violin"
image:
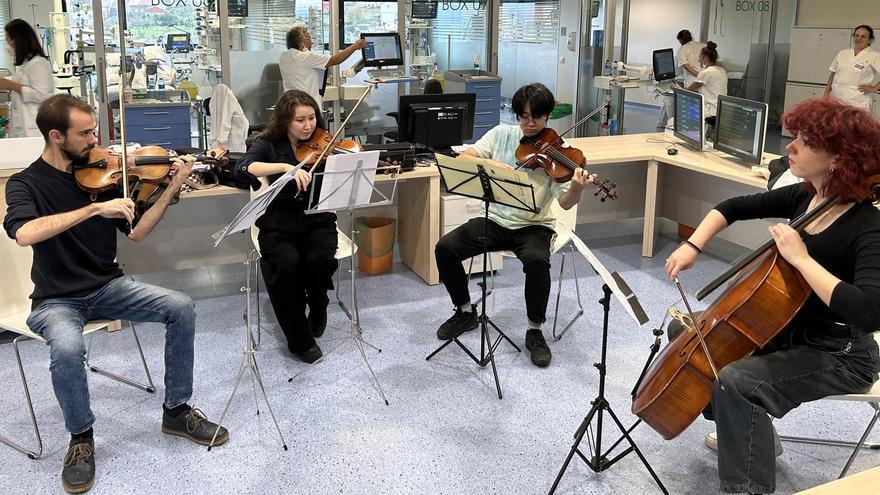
{"points": [[528, 235], [828, 348], [298, 250]]}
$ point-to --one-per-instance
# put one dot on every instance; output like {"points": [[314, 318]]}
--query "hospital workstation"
{"points": [[411, 246]]}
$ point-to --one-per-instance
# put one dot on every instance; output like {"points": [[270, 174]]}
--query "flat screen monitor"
{"points": [[437, 121], [740, 127], [424, 9], [689, 125], [177, 43], [664, 64], [238, 8], [382, 50]]}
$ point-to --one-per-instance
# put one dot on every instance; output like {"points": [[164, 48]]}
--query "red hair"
{"points": [[850, 133]]}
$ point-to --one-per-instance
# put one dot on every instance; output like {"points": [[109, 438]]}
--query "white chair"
{"points": [[14, 310], [872, 398], [566, 220]]}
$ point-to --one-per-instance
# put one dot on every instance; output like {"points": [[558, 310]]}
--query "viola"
{"points": [[549, 151], [150, 164], [766, 293]]}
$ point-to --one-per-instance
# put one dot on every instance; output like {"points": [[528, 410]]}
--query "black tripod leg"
{"points": [[490, 356], [638, 452], [582, 429], [501, 335], [438, 349]]}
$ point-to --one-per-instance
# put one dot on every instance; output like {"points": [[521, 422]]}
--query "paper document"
{"points": [[348, 181], [255, 207]]}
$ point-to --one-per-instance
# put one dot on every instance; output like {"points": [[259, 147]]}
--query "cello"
{"points": [[764, 296]]}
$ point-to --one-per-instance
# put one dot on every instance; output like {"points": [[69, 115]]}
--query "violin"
{"points": [[321, 143], [150, 164], [549, 151]]}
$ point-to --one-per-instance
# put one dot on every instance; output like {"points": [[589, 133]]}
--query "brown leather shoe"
{"points": [[195, 426]]}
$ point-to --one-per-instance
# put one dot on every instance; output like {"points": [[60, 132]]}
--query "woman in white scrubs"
{"points": [[32, 82], [855, 72]]}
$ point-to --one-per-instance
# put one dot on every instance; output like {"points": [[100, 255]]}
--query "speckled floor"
{"points": [[445, 431]]}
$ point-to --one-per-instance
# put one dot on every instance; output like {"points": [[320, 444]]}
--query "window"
{"points": [[357, 16]]}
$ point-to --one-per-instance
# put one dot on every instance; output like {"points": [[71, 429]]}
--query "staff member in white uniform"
{"points": [[711, 81], [300, 66], [855, 72], [688, 59], [32, 82]]}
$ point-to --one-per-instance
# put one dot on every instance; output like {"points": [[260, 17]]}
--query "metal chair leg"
{"points": [[577, 287], [36, 453], [146, 387]]}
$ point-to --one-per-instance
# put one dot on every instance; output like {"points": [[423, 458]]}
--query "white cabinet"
{"points": [[456, 210], [796, 93]]}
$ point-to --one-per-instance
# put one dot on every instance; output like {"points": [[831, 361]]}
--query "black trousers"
{"points": [[298, 264], [530, 244]]}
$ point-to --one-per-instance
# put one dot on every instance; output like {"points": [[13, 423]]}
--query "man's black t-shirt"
{"points": [[75, 262]]}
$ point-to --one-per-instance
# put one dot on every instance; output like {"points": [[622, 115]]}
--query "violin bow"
{"points": [[120, 7], [336, 134]]}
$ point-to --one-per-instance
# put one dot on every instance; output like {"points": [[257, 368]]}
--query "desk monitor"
{"points": [[436, 121], [424, 9], [664, 64], [382, 50], [740, 128], [689, 124], [177, 43]]}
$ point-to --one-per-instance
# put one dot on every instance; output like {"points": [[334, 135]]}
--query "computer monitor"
{"points": [[437, 121], [177, 43], [382, 50], [740, 127], [689, 124], [424, 9], [664, 64]]}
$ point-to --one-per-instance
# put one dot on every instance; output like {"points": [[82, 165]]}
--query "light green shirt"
{"points": [[500, 144]]}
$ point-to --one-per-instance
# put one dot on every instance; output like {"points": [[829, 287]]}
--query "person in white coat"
{"points": [[32, 82], [688, 58], [229, 126], [855, 72], [301, 67]]}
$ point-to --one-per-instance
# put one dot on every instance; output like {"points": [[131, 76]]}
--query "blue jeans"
{"points": [[60, 322], [806, 368]]}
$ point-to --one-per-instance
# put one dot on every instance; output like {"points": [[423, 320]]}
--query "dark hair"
{"points": [[867, 28], [684, 36], [432, 87], [537, 96], [295, 37], [25, 41], [54, 113], [285, 109], [851, 133], [710, 52]]}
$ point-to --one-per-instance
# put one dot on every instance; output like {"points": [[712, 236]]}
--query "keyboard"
{"points": [[386, 74]]}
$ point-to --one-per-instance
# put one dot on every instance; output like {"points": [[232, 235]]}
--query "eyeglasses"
{"points": [[530, 118]]}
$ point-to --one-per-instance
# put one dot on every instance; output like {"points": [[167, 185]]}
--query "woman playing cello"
{"points": [[828, 348], [298, 250]]}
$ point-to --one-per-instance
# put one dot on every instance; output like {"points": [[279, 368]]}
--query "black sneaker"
{"points": [[458, 323], [78, 472], [538, 346], [318, 320], [310, 356], [195, 426]]}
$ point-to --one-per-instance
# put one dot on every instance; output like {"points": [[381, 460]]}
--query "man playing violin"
{"points": [[528, 235], [298, 250], [76, 279], [828, 348]]}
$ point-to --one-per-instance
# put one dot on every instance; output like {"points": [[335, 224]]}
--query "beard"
{"points": [[77, 159]]}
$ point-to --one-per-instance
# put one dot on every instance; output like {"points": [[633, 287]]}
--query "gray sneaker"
{"points": [[712, 442]]}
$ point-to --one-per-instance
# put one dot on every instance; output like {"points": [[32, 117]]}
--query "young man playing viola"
{"points": [[528, 235], [77, 279]]}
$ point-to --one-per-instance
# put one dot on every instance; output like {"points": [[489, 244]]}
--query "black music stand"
{"points": [[598, 460], [490, 184]]}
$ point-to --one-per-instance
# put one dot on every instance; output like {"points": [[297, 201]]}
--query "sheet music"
{"points": [[342, 188], [609, 280], [255, 207]]}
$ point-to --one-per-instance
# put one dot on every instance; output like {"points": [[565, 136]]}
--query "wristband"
{"points": [[691, 244]]}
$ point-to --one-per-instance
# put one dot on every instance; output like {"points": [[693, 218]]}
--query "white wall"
{"points": [[21, 9], [653, 25]]}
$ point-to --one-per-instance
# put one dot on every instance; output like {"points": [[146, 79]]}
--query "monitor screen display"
{"points": [[382, 50], [436, 120], [689, 117], [664, 64], [177, 43], [424, 9], [740, 128]]}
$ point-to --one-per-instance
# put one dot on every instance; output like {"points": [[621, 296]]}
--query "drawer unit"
{"points": [[487, 88], [456, 210], [166, 126]]}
